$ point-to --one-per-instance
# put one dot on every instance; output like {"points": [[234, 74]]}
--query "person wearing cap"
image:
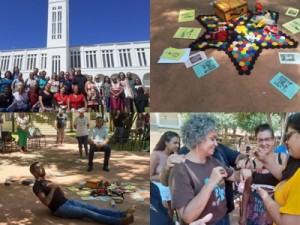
{"points": [[60, 125], [98, 140], [81, 124]]}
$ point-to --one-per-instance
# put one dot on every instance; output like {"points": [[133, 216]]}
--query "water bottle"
{"points": [[112, 203]]}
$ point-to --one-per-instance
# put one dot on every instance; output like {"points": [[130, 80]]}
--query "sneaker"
{"points": [[90, 168], [105, 168]]}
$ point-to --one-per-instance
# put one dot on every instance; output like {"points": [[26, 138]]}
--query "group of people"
{"points": [[197, 180], [71, 91], [50, 194], [97, 137]]}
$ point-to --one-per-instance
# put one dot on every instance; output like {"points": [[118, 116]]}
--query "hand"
{"points": [[260, 154], [175, 159], [203, 221], [263, 193], [99, 145], [53, 185], [217, 175], [243, 164], [245, 174]]}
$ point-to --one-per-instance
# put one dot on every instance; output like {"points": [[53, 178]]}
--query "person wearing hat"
{"points": [[60, 125], [81, 124], [98, 140]]}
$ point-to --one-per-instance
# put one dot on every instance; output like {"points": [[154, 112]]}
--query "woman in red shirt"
{"points": [[61, 98], [33, 95], [76, 100]]}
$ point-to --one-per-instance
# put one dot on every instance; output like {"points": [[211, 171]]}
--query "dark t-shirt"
{"points": [[47, 99], [80, 80], [5, 101], [183, 191], [61, 120], [58, 197]]}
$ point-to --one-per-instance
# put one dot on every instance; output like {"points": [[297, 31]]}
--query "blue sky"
{"points": [[23, 23]]}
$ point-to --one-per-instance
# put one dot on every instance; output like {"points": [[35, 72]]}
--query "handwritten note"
{"points": [[187, 33], [186, 15], [293, 26]]}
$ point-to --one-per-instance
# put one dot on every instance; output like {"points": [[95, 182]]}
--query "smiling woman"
{"points": [[285, 208], [168, 144], [253, 210], [198, 186]]}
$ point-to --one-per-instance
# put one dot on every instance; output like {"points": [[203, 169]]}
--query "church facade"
{"points": [[102, 59]]}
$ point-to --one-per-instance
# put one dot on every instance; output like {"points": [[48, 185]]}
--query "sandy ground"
{"points": [[19, 205], [174, 88]]}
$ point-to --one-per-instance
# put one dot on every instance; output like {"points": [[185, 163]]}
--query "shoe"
{"points": [[90, 168], [105, 168]]}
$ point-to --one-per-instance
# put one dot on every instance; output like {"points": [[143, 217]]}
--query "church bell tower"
{"points": [[58, 36]]}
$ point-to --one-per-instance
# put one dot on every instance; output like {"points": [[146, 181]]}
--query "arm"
{"points": [[110, 89], [56, 106], [121, 90], [154, 162], [171, 161], [86, 87], [273, 209], [25, 84], [241, 175], [12, 86], [85, 102], [75, 123], [246, 196], [102, 91], [88, 125], [46, 200], [164, 175], [41, 102], [105, 142], [195, 207], [274, 168]]}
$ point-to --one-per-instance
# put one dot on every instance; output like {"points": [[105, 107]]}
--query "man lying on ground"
{"points": [[51, 195]]}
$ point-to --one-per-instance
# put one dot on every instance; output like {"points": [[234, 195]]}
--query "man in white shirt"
{"points": [[81, 124], [98, 140]]}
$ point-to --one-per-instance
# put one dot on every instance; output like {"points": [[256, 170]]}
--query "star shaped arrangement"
{"points": [[242, 38]]}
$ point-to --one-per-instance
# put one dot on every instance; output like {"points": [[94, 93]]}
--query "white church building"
{"points": [[103, 59]]}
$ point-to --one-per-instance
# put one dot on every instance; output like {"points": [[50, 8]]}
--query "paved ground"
{"points": [[177, 89], [18, 204]]}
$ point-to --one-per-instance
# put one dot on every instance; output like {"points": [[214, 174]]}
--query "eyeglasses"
{"points": [[261, 140], [288, 135]]}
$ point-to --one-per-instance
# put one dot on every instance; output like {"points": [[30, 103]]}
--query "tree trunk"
{"points": [[284, 117], [225, 142], [268, 115]]}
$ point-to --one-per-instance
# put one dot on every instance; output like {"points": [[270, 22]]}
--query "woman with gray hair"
{"points": [[198, 186]]}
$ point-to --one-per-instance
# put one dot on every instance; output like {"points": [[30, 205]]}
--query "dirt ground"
{"points": [[19, 205], [174, 88]]}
